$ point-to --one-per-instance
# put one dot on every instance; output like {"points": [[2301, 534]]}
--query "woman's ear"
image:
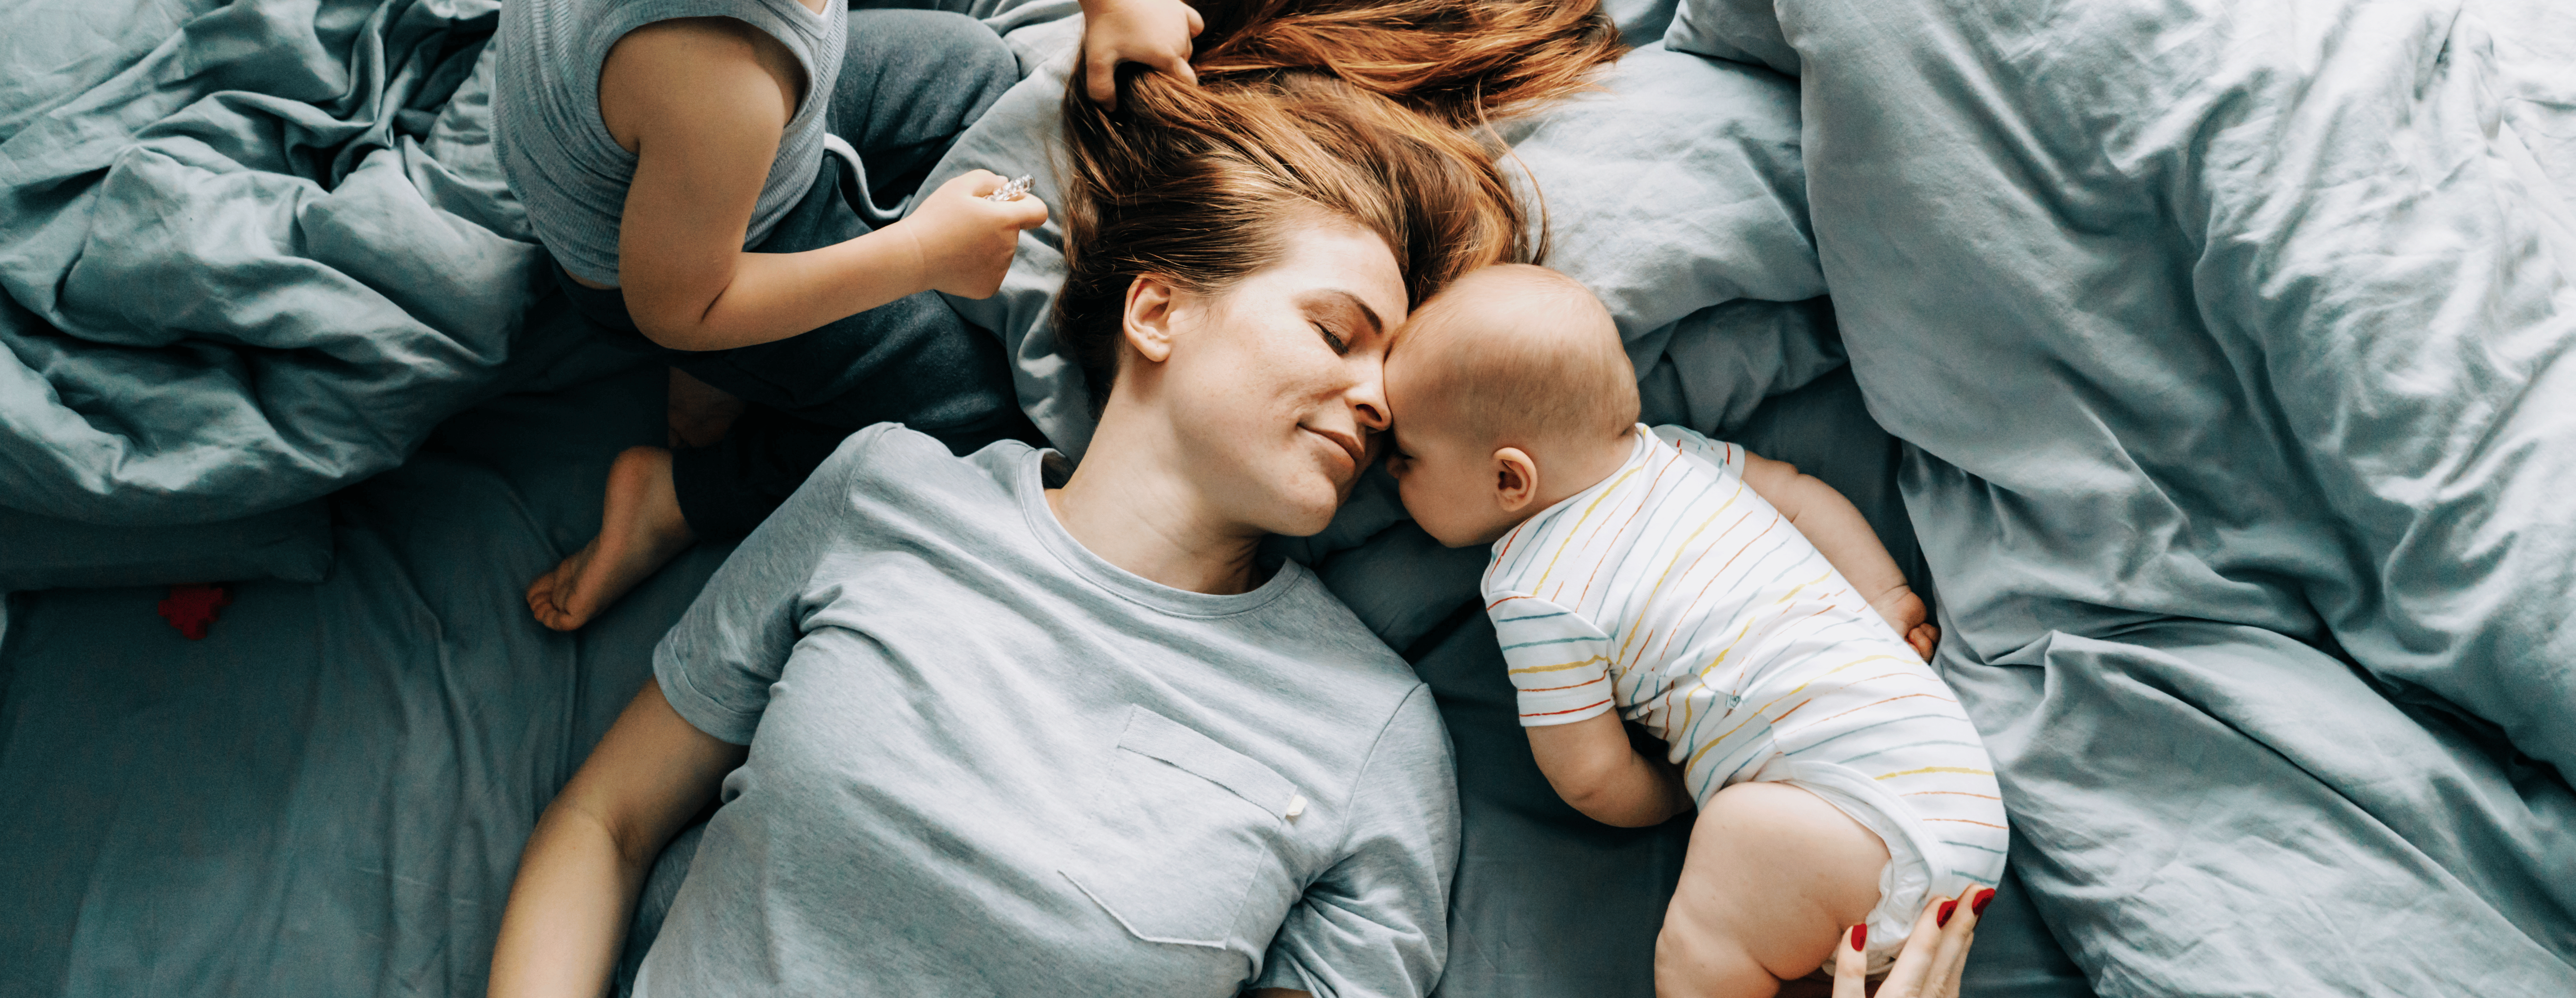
{"points": [[1147, 321], [1515, 479]]}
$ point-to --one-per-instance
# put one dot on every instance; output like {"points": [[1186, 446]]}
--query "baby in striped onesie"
{"points": [[1743, 613]]}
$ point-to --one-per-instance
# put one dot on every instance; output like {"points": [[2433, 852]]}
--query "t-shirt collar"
{"points": [[1043, 469]]}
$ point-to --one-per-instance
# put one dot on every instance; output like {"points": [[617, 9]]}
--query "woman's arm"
{"points": [[1592, 764], [1843, 536], [703, 103], [586, 860]]}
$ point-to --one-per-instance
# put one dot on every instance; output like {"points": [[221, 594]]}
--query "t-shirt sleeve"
{"points": [[717, 664], [1689, 441], [1377, 922], [1558, 661]]}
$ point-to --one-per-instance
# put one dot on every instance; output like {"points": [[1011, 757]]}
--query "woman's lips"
{"points": [[1350, 445]]}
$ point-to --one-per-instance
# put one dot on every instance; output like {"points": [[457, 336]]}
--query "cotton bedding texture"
{"points": [[2231, 346], [2224, 341], [328, 793]]}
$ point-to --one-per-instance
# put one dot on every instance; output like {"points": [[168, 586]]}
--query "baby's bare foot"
{"points": [[699, 413], [640, 528]]}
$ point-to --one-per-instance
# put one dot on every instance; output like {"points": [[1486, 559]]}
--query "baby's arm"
{"points": [[1594, 767], [1836, 528], [1561, 666]]}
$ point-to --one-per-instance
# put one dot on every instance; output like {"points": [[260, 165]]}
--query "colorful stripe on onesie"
{"points": [[1673, 593]]}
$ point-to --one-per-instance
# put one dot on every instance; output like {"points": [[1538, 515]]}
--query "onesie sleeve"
{"points": [[1689, 441], [1376, 924], [1558, 660], [716, 665]]}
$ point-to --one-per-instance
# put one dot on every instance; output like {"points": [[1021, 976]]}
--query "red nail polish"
{"points": [[1946, 908], [1860, 938], [1979, 905]]}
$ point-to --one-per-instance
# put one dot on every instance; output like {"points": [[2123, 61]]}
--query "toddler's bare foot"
{"points": [[640, 528], [1906, 613], [699, 413]]}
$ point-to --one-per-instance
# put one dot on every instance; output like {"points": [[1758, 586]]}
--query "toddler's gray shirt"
{"points": [[986, 762]]}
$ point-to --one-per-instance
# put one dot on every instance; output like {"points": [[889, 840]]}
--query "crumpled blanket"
{"points": [[2235, 345], [251, 252]]}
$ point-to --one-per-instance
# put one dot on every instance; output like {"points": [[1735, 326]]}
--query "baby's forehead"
{"points": [[1457, 318]]}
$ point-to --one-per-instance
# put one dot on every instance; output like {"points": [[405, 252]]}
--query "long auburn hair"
{"points": [[1370, 110]]}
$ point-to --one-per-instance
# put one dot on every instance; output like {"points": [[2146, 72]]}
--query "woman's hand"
{"points": [[963, 243], [1930, 964], [1152, 33]]}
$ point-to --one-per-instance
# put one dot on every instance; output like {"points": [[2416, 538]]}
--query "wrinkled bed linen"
{"points": [[2232, 345], [253, 252], [347, 803]]}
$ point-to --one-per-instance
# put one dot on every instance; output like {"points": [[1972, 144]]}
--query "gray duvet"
{"points": [[2235, 349]]}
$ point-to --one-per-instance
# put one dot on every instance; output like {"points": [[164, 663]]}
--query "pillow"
{"points": [[1676, 188], [43, 552], [1746, 31]]}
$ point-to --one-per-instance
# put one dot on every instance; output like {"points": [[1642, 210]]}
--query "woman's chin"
{"points": [[1306, 508]]}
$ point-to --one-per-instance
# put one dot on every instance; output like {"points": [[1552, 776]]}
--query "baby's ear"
{"points": [[1515, 479], [1146, 322]]}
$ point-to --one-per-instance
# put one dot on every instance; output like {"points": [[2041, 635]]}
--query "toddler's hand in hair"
{"points": [[1152, 33], [963, 243], [1906, 613]]}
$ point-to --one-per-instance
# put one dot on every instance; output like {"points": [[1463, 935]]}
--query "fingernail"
{"points": [[1860, 938], [1978, 906], [1946, 908]]}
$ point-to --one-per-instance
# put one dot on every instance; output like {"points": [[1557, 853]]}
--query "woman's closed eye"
{"points": [[1339, 345]]}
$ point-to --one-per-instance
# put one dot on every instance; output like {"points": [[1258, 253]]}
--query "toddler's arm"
{"points": [[1594, 766], [1152, 33], [703, 104], [1836, 528]]}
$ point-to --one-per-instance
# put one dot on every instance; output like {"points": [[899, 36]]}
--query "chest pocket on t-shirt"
{"points": [[1183, 826]]}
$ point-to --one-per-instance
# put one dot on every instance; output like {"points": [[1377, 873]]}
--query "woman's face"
{"points": [[1276, 385]]}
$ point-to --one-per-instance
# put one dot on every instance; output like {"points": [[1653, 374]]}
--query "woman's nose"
{"points": [[1368, 398], [1373, 415]]}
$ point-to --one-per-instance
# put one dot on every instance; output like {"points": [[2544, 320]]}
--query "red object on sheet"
{"points": [[192, 608]]}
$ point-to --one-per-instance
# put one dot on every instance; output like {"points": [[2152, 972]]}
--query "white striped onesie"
{"points": [[1674, 593]]}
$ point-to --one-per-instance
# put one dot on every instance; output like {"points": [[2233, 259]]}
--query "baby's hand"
{"points": [[964, 242], [1152, 33], [1906, 613]]}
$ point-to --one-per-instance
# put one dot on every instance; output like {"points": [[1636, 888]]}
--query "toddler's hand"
{"points": [[963, 242], [1906, 613], [1152, 33]]}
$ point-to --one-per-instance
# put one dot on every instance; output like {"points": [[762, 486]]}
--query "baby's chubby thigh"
{"points": [[1773, 877]]}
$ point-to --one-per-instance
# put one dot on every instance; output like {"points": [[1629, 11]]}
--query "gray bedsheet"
{"points": [[327, 795], [2235, 346]]}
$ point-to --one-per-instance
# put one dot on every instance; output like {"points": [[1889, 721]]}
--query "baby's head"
{"points": [[1510, 390]]}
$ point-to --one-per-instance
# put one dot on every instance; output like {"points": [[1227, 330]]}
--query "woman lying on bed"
{"points": [[993, 724]]}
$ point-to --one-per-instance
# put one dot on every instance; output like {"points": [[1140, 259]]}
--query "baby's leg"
{"points": [[1773, 877]]}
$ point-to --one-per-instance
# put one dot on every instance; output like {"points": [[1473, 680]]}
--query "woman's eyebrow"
{"points": [[1376, 325]]}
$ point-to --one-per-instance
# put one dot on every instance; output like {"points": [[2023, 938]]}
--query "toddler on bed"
{"points": [[1741, 612]]}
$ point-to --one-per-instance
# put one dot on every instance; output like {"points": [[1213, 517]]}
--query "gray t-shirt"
{"points": [[986, 762]]}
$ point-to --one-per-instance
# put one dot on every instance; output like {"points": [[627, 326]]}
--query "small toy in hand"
{"points": [[192, 608], [1012, 191]]}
